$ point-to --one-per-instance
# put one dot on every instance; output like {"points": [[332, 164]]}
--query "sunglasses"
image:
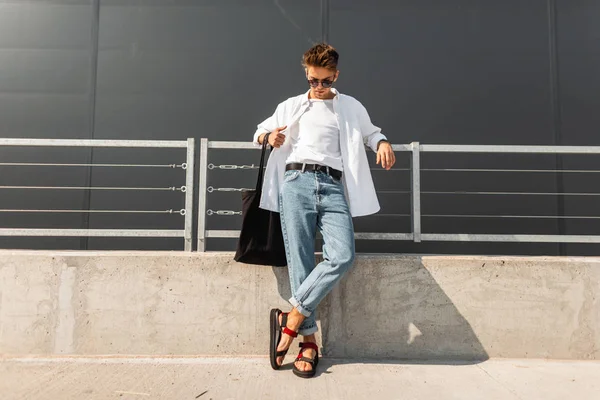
{"points": [[326, 83]]}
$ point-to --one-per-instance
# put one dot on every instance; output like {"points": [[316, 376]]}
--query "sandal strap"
{"points": [[284, 328], [282, 353], [290, 332], [308, 345], [311, 361]]}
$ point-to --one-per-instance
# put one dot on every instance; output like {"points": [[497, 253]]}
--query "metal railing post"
{"points": [[202, 195], [416, 191], [189, 194]]}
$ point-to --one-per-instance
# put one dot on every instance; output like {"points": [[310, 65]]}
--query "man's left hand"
{"points": [[385, 155]]}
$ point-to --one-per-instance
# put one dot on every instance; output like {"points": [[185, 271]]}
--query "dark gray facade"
{"points": [[437, 72]]}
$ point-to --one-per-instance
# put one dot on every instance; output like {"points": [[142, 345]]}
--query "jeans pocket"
{"points": [[291, 175]]}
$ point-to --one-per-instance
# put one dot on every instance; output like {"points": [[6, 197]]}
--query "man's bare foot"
{"points": [[308, 353], [294, 320]]}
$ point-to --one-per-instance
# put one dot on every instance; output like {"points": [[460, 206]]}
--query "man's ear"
{"points": [[337, 74]]}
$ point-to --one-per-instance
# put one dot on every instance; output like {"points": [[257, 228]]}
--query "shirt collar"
{"points": [[305, 98]]}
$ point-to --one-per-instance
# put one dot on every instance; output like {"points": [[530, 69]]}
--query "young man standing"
{"points": [[317, 178]]}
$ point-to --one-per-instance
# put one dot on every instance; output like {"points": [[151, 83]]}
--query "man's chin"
{"points": [[319, 95]]}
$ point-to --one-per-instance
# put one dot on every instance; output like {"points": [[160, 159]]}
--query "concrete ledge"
{"points": [[389, 306]]}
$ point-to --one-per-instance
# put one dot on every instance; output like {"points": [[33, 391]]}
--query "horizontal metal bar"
{"points": [[511, 216], [459, 237], [383, 236], [391, 169], [391, 215], [93, 143], [92, 232], [466, 237], [459, 192], [217, 144], [443, 148], [402, 147], [15, 164], [170, 211], [222, 234], [514, 193], [449, 148], [357, 235], [509, 170], [489, 216], [168, 189]]}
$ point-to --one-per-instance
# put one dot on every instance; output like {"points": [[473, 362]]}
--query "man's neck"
{"points": [[329, 96]]}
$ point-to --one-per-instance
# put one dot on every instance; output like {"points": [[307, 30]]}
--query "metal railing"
{"points": [[556, 150], [415, 150], [187, 190]]}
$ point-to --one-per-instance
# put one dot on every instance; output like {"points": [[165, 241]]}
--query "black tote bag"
{"points": [[261, 239]]}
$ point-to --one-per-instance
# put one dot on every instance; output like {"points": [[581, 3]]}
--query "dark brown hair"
{"points": [[321, 55]]}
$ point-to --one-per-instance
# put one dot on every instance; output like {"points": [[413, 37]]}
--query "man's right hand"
{"points": [[276, 138]]}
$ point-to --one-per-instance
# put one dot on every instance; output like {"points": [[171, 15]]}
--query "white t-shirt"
{"points": [[318, 139]]}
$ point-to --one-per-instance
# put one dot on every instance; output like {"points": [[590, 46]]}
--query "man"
{"points": [[317, 177]]}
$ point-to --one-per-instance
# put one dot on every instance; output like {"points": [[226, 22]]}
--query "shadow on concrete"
{"points": [[390, 308], [326, 363]]}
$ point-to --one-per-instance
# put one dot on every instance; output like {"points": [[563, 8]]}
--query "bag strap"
{"points": [[259, 182]]}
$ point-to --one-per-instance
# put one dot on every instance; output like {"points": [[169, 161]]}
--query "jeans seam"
{"points": [[307, 291], [285, 236]]}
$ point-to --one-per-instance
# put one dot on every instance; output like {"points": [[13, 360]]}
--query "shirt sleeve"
{"points": [[268, 125], [371, 134]]}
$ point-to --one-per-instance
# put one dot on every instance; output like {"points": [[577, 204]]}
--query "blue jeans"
{"points": [[310, 201]]}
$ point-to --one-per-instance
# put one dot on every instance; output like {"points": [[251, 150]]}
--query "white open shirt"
{"points": [[356, 129]]}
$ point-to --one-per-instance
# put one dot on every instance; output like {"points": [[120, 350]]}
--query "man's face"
{"points": [[323, 75]]}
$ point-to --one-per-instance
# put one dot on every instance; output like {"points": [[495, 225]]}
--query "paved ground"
{"points": [[252, 378]]}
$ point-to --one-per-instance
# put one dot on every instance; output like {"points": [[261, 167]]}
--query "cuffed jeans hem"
{"points": [[299, 307], [308, 331]]}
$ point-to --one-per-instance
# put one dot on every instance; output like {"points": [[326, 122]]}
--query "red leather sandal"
{"points": [[312, 361], [276, 333]]}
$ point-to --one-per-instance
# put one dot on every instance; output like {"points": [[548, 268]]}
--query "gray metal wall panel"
{"points": [[178, 69], [44, 93], [203, 70], [458, 72], [579, 84]]}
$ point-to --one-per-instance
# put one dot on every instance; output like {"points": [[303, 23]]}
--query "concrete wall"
{"points": [[433, 307]]}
